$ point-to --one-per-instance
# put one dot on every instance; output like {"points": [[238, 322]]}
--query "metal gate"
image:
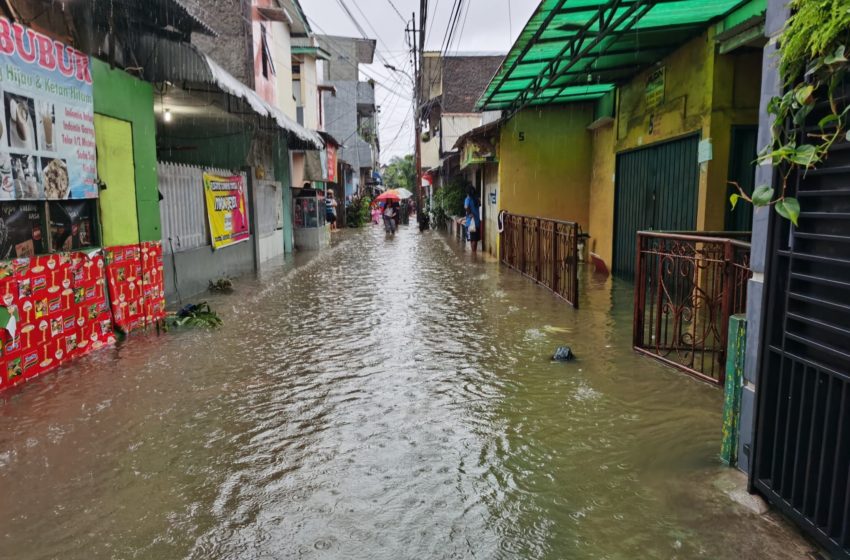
{"points": [[801, 453], [544, 250], [656, 189]]}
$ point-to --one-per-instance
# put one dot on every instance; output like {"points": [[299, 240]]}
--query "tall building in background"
{"points": [[350, 112]]}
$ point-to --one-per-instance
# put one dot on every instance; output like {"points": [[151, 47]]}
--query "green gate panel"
{"points": [[657, 188]]}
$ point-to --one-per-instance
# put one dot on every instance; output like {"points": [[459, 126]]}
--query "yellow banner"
{"points": [[227, 210]]}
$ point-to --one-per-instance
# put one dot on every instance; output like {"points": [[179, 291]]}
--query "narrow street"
{"points": [[385, 398]]}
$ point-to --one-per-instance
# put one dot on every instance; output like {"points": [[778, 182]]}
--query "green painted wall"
{"points": [[121, 96]]}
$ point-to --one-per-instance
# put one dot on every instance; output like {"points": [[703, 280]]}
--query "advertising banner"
{"points": [[47, 147], [331, 149], [21, 231], [227, 210]]}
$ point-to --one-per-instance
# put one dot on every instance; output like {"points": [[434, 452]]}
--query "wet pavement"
{"points": [[386, 398]]}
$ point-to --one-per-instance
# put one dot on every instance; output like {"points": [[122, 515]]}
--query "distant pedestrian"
{"points": [[473, 219], [330, 209]]}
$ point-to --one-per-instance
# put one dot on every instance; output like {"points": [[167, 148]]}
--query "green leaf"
{"points": [[789, 208], [847, 136], [762, 195], [802, 113], [803, 95], [773, 105], [733, 199], [837, 57], [827, 120], [804, 155]]}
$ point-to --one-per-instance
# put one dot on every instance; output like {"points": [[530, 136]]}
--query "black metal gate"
{"points": [[656, 189], [801, 454]]}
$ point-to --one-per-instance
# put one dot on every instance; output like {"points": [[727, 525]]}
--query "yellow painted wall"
{"points": [[601, 227], [737, 86], [116, 168], [705, 93], [547, 174]]}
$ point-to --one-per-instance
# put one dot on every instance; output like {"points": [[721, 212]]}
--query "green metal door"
{"points": [[656, 189], [742, 170]]}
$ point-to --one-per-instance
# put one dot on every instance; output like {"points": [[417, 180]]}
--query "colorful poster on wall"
{"points": [[227, 209], [47, 147], [21, 230], [655, 89]]}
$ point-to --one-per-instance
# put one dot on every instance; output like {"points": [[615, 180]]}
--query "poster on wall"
{"points": [[655, 89], [72, 225], [331, 163], [47, 147], [21, 231], [227, 210]]}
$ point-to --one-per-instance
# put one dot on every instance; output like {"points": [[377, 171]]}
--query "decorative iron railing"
{"points": [[687, 285], [544, 250]]}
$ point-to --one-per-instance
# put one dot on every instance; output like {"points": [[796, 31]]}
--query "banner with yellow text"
{"points": [[227, 209]]}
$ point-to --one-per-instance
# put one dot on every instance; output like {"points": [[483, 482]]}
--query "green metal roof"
{"points": [[578, 50]]}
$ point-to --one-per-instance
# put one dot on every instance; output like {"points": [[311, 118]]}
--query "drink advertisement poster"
{"points": [[47, 147], [227, 210]]}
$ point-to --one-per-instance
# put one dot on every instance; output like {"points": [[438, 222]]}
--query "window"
{"points": [[266, 55]]}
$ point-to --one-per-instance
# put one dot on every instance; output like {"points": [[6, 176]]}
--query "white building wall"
{"points": [[310, 92], [455, 125], [281, 47]]}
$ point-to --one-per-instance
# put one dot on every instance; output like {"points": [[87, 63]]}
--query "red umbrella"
{"points": [[389, 196]]}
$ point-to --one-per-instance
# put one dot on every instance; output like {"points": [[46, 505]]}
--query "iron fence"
{"points": [[687, 285], [544, 250]]}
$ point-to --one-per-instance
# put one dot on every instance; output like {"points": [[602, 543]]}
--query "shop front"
{"points": [[73, 267]]}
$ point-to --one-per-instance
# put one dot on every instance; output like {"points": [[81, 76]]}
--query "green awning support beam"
{"points": [[604, 19], [568, 44], [531, 42]]}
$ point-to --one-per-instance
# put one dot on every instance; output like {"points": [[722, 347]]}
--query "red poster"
{"points": [[331, 163]]}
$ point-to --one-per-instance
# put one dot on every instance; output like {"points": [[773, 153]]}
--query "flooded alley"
{"points": [[385, 398]]}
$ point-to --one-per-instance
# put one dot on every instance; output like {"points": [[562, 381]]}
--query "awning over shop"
{"points": [[175, 61], [578, 50]]}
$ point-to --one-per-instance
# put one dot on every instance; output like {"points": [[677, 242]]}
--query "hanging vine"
{"points": [[813, 65]]}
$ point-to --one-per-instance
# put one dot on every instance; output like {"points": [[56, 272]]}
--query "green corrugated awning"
{"points": [[578, 50]]}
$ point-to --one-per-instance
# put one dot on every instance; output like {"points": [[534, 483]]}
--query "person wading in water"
{"points": [[473, 219]]}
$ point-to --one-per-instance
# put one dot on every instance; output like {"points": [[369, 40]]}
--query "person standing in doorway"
{"points": [[473, 219], [330, 209]]}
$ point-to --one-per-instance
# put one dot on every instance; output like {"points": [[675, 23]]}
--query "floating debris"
{"points": [[563, 354]]}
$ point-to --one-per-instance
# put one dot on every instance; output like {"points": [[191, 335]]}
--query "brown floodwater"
{"points": [[382, 399]]}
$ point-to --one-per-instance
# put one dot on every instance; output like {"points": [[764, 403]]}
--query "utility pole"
{"points": [[418, 48]]}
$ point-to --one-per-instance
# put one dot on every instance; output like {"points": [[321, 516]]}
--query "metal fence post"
{"points": [[640, 294]]}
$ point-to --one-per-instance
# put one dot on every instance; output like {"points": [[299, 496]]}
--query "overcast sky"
{"points": [[485, 27]]}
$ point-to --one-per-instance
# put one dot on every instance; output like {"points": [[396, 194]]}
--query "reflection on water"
{"points": [[387, 398]]}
